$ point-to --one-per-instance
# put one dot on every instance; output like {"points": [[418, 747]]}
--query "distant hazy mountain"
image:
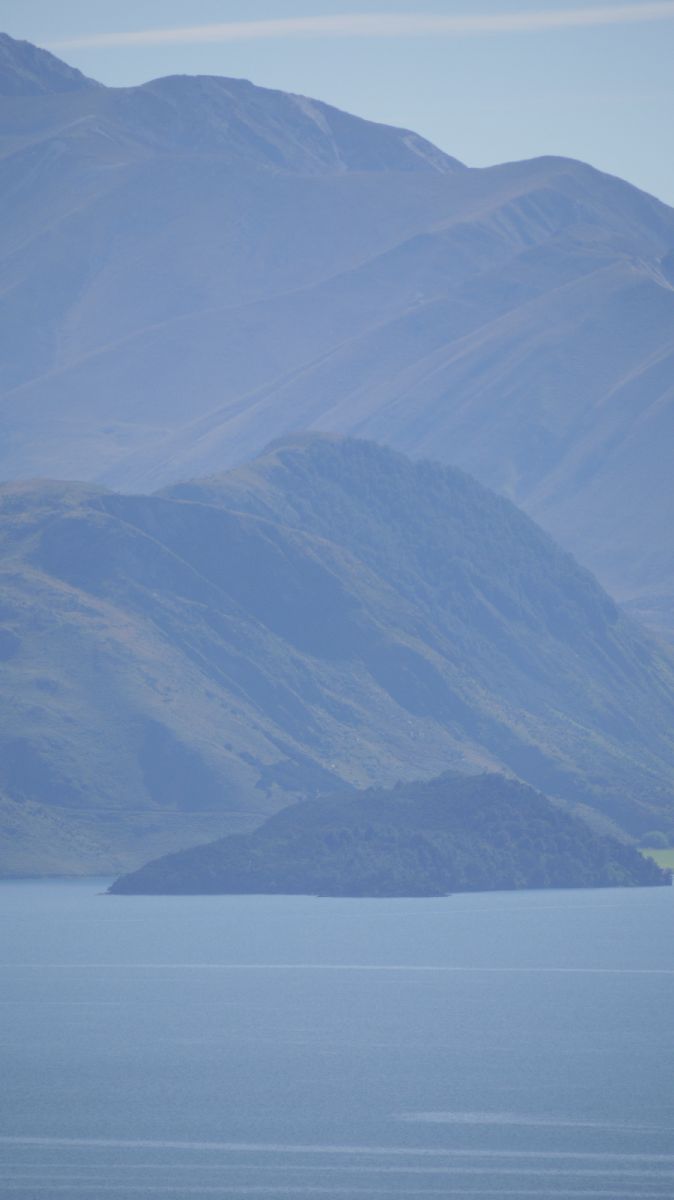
{"points": [[25, 70], [178, 666], [190, 267], [456, 833]]}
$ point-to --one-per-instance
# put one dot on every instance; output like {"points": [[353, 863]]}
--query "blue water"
{"points": [[517, 1045]]}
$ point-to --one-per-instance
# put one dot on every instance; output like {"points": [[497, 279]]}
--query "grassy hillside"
{"points": [[664, 858], [179, 666], [192, 266]]}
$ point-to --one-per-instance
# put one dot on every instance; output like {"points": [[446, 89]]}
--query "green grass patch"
{"points": [[664, 858]]}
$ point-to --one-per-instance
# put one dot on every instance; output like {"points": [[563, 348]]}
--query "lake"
{"points": [[511, 1044]]}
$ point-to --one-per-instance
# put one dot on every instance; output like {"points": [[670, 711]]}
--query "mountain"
{"points": [[25, 70], [451, 834], [193, 266], [179, 666]]}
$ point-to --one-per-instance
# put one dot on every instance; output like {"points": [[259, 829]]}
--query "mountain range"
{"points": [[179, 666], [191, 267]]}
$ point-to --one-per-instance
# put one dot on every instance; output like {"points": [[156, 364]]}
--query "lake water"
{"points": [[517, 1045]]}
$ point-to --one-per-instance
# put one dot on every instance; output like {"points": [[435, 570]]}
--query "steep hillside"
{"points": [[190, 267], [178, 666], [452, 834], [25, 70]]}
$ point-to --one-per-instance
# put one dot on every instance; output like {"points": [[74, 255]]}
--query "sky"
{"points": [[487, 80]]}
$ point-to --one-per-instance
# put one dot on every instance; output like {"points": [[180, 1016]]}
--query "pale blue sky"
{"points": [[591, 80]]}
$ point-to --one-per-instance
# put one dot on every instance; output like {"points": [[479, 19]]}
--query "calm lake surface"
{"points": [[517, 1045]]}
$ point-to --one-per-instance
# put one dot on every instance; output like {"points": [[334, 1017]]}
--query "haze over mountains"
{"points": [[178, 666], [193, 266]]}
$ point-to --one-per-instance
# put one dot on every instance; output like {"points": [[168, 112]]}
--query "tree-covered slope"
{"points": [[451, 834], [179, 666]]}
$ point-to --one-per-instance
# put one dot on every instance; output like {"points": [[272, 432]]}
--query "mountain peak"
{"points": [[284, 129], [27, 70]]}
